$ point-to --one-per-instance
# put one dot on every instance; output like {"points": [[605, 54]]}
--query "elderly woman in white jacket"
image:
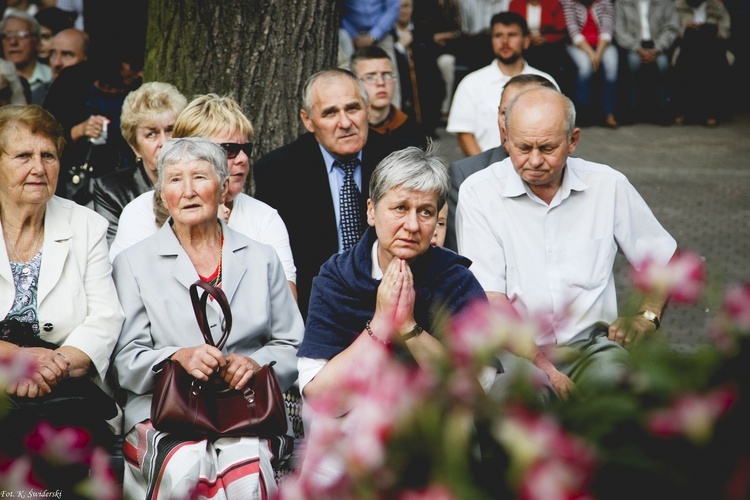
{"points": [[55, 278]]}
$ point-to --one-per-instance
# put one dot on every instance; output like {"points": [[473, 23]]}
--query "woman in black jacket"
{"points": [[147, 120]]}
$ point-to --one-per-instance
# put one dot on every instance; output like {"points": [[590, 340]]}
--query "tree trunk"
{"points": [[258, 51]]}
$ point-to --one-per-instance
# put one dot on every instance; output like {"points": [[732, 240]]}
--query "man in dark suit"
{"points": [[303, 180], [461, 169]]}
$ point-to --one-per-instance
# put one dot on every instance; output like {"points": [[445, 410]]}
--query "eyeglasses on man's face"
{"points": [[371, 78], [17, 35], [234, 148]]}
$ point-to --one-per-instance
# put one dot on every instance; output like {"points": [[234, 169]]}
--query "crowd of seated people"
{"points": [[161, 202]]}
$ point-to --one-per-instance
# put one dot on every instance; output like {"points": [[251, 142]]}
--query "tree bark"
{"points": [[258, 51]]}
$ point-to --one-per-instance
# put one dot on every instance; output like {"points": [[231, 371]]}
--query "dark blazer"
{"points": [[458, 172], [294, 181], [115, 190]]}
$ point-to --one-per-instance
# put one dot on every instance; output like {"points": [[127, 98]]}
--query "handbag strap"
{"points": [[199, 308]]}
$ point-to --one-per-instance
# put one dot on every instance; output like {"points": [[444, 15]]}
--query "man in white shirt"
{"points": [[473, 115], [543, 228]]}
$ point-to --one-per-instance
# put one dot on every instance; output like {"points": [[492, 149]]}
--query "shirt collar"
{"points": [[498, 72], [517, 187], [376, 272], [329, 159]]}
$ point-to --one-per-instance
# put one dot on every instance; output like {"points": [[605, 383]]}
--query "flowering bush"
{"points": [[57, 462], [672, 427]]}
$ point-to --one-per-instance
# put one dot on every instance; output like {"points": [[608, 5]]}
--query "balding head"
{"points": [[544, 99], [514, 86], [541, 135], [68, 47]]}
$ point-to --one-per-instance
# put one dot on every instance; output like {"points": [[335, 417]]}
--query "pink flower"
{"points": [[13, 368], [101, 483], [378, 395], [692, 415], [17, 475], [541, 452], [432, 492], [64, 446], [682, 279], [555, 480], [737, 306], [481, 330]]}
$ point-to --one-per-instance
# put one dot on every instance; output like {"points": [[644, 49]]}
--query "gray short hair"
{"points": [[570, 110], [23, 16], [414, 169], [328, 75], [187, 149]]}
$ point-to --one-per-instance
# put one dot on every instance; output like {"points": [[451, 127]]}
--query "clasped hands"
{"points": [[394, 306], [49, 370], [203, 361]]}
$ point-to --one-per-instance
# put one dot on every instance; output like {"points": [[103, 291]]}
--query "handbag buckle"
{"points": [[195, 388], [249, 396]]}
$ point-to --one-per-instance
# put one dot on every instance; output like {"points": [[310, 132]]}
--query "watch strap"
{"points": [[413, 333]]}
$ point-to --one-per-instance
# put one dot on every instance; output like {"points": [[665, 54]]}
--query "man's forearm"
{"points": [[468, 144]]}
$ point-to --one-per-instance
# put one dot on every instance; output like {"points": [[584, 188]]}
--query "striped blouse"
{"points": [[575, 12]]}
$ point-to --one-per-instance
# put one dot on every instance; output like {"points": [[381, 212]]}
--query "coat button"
{"points": [[47, 327]]}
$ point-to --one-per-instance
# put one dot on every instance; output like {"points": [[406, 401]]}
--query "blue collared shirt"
{"points": [[335, 181]]}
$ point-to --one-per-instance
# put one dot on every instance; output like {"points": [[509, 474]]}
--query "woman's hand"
{"points": [[238, 371], [395, 301], [49, 370], [202, 361], [91, 128], [28, 388]]}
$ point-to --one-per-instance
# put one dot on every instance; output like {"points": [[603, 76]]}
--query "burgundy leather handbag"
{"points": [[189, 407]]}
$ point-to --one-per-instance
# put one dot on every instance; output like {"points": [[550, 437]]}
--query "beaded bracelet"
{"points": [[374, 337]]}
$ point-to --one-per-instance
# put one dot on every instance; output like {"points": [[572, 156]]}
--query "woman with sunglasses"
{"points": [[220, 120]]}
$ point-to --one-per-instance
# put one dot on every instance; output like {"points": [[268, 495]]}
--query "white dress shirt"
{"points": [[474, 107], [555, 261]]}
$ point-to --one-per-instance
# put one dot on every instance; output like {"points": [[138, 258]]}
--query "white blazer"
{"points": [[76, 295]]}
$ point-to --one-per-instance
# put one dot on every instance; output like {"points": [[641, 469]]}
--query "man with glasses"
{"points": [[373, 66], [20, 35]]}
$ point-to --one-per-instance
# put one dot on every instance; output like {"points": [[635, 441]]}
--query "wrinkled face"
{"points": [[29, 167], [338, 117], [239, 166], [191, 192], [19, 51], [66, 50], [508, 42], [438, 239], [150, 137], [379, 80], [537, 141], [404, 221]]}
